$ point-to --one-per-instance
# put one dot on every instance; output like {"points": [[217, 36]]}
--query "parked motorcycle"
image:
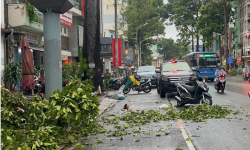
{"points": [[114, 84], [197, 94], [246, 77], [220, 83], [145, 86]]}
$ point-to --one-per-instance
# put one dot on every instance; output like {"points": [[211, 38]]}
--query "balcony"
{"points": [[18, 17], [77, 8]]}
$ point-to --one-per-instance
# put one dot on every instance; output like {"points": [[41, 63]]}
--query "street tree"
{"points": [[172, 49], [226, 6], [184, 14], [136, 13], [91, 42], [210, 22]]}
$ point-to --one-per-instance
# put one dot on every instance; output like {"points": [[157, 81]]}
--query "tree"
{"points": [[210, 22], [138, 12], [172, 49], [184, 14], [226, 5], [91, 46]]}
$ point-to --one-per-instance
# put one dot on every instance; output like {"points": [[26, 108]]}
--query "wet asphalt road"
{"points": [[232, 133]]}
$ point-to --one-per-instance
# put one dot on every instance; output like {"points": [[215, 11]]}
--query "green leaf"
{"points": [[189, 139], [71, 138], [178, 149], [137, 140], [79, 146]]}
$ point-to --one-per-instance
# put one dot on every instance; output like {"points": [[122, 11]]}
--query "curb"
{"points": [[72, 146]]}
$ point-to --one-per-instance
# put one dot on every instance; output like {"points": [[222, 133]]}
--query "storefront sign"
{"points": [[64, 42], [66, 19], [238, 60], [32, 39]]}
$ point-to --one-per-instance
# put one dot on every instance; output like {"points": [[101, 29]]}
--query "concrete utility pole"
{"points": [[51, 10], [116, 41]]}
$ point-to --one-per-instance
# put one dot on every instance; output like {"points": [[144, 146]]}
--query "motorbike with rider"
{"points": [[246, 73], [220, 81]]}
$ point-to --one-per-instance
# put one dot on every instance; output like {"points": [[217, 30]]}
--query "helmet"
{"points": [[245, 66], [219, 67]]}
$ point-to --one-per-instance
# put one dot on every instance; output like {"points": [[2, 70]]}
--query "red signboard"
{"points": [[238, 60], [66, 19], [83, 5], [113, 46], [119, 52]]}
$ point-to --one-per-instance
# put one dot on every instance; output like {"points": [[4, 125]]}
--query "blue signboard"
{"points": [[129, 61], [230, 60]]}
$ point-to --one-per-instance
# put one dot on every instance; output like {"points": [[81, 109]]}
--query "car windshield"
{"points": [[168, 67], [146, 69]]}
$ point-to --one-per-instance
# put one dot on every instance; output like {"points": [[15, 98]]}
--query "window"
{"points": [[181, 66]]}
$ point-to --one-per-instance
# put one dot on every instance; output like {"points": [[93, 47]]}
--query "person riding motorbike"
{"points": [[245, 71], [217, 74]]}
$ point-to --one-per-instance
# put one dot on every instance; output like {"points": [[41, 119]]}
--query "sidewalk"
{"points": [[109, 100], [106, 101]]}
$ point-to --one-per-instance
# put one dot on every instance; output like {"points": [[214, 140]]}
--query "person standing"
{"points": [[107, 76]]}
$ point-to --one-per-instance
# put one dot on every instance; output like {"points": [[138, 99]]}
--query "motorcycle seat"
{"points": [[189, 88]]}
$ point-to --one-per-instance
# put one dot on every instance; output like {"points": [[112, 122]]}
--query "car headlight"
{"points": [[164, 78]]}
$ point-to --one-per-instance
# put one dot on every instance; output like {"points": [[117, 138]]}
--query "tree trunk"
{"points": [[97, 79], [192, 43], [197, 43], [90, 43]]}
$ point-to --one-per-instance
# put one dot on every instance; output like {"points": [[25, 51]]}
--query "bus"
{"points": [[206, 62]]}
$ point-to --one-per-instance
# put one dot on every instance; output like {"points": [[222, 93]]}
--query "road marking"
{"points": [[228, 101], [185, 136]]}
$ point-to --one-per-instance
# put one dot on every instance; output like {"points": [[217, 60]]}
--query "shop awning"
{"points": [[65, 54], [37, 48]]}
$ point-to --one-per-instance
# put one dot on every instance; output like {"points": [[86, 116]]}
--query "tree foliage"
{"points": [[138, 12], [45, 124], [211, 21], [184, 14], [173, 49]]}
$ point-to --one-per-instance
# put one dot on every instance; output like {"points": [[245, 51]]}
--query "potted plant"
{"points": [[90, 73], [12, 75]]}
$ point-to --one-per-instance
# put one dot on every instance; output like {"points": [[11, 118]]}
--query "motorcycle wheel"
{"points": [[116, 87], [127, 91], [222, 88], [208, 101], [147, 89]]}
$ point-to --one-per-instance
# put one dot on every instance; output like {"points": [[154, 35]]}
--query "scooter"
{"points": [[221, 82], [197, 94], [145, 86], [246, 77]]}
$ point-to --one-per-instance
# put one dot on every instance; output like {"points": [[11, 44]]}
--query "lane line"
{"points": [[228, 101], [185, 136]]}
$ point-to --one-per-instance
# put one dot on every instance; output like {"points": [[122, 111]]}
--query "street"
{"points": [[230, 133]]}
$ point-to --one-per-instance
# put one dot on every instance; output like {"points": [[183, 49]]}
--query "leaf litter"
{"points": [[134, 119]]}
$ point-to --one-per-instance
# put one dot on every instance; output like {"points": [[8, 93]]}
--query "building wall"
{"points": [[2, 54], [109, 17], [2, 14], [73, 38], [2, 37]]}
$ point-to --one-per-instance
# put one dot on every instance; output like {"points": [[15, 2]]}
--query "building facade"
{"points": [[244, 29]]}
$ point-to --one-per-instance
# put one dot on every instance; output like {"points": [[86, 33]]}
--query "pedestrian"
{"points": [[107, 76]]}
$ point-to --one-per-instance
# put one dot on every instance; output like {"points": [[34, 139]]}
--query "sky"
{"points": [[170, 31]]}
